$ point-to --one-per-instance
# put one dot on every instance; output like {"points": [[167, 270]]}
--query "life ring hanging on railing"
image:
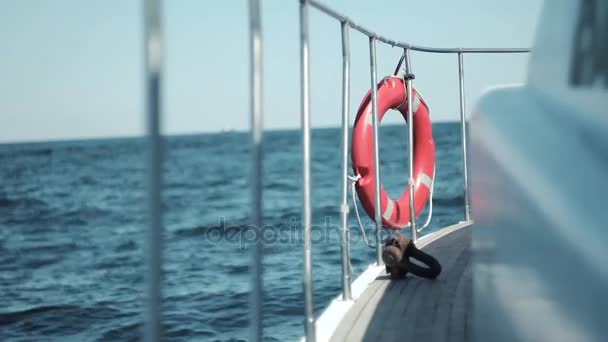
{"points": [[392, 94]]}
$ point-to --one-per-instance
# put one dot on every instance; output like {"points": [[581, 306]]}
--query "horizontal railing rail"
{"points": [[342, 18]]}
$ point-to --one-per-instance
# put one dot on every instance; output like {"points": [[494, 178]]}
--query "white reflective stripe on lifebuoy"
{"points": [[415, 107], [370, 118], [420, 96], [415, 103], [426, 180], [389, 210]]}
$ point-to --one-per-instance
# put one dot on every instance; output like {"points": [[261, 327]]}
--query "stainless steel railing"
{"points": [[257, 128], [463, 134], [342, 18], [154, 60], [410, 120], [375, 124], [306, 171], [153, 51], [346, 291], [346, 25]]}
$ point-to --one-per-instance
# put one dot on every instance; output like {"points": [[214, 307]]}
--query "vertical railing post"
{"points": [[257, 129], [346, 291], [154, 248], [463, 131], [376, 124], [306, 174], [410, 125]]}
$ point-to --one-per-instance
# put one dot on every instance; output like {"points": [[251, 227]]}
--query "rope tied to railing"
{"points": [[399, 64], [353, 182], [410, 182]]}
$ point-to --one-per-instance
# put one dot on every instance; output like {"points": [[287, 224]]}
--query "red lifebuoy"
{"points": [[392, 95]]}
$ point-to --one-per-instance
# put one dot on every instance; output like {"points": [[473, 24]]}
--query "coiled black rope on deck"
{"points": [[396, 254]]}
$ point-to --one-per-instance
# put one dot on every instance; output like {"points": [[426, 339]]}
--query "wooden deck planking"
{"points": [[417, 309]]}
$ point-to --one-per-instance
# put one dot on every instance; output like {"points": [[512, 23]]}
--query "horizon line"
{"points": [[178, 134]]}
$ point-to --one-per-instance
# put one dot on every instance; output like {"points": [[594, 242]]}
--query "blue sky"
{"points": [[74, 68]]}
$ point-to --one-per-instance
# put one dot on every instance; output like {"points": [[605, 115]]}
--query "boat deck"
{"points": [[417, 309]]}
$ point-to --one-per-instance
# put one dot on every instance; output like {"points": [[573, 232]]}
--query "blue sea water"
{"points": [[72, 221]]}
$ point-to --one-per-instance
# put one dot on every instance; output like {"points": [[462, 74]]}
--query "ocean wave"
{"points": [[173, 329], [86, 180], [125, 246], [219, 230], [52, 247], [39, 262], [176, 332], [286, 216], [21, 202], [281, 185], [449, 201], [34, 152], [284, 301], [65, 321], [87, 211], [119, 262], [226, 319], [124, 332], [237, 269], [60, 316], [18, 316], [82, 216]]}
